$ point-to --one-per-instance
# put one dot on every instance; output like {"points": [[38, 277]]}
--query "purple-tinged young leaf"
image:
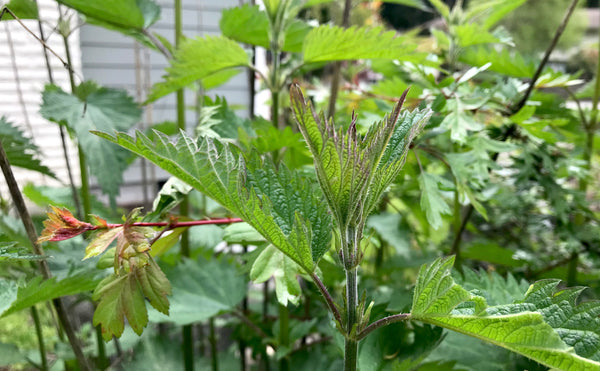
{"points": [[101, 241], [62, 225]]}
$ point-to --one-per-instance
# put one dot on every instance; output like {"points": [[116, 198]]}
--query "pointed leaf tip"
{"points": [[62, 225]]}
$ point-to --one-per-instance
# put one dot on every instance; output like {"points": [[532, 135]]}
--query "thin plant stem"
{"points": [[381, 323], [351, 343], [553, 43], [284, 335], [337, 66], [328, 299], [43, 265], [15, 70], [517, 107], [187, 333], [212, 339], [103, 361], [40, 337]]}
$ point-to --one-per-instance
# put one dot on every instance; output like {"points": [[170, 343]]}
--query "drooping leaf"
{"points": [[546, 326], [326, 43], [432, 200], [202, 289], [197, 59], [100, 109], [273, 263], [38, 290], [122, 296], [130, 17], [280, 205], [24, 9], [20, 150]]}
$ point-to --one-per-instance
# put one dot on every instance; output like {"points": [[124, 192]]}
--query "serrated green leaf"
{"points": [[281, 206], [120, 297], [491, 12], [469, 34], [38, 290], [521, 327], [432, 201], [354, 171], [202, 289], [459, 121], [20, 149], [23, 9], [155, 286], [326, 43], [102, 109], [197, 59], [10, 251]]}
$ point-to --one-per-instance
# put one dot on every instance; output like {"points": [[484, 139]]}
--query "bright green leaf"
{"points": [[273, 263], [280, 205], [197, 59], [537, 327], [326, 43], [23, 9]]}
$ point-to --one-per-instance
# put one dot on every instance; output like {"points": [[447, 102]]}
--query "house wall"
{"points": [[23, 74], [115, 60]]}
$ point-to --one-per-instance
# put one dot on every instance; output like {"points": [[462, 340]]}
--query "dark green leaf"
{"points": [[38, 290], [20, 150], [102, 109]]}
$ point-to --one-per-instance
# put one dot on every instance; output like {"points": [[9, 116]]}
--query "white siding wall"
{"points": [[20, 92], [115, 60]]}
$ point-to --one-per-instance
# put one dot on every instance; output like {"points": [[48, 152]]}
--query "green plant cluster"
{"points": [[438, 218]]}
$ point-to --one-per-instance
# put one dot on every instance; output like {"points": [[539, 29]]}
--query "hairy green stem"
{"points": [[381, 323], [351, 344], [40, 337]]}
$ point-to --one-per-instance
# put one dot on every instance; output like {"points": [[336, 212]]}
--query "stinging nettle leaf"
{"points": [[197, 59], [326, 43], [283, 207], [543, 327], [354, 171]]}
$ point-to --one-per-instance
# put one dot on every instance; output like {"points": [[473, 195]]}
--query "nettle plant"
{"points": [[304, 218]]}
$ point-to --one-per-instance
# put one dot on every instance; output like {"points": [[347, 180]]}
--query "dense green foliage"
{"points": [[358, 219]]}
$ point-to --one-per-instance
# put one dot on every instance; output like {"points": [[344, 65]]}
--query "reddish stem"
{"points": [[177, 224]]}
